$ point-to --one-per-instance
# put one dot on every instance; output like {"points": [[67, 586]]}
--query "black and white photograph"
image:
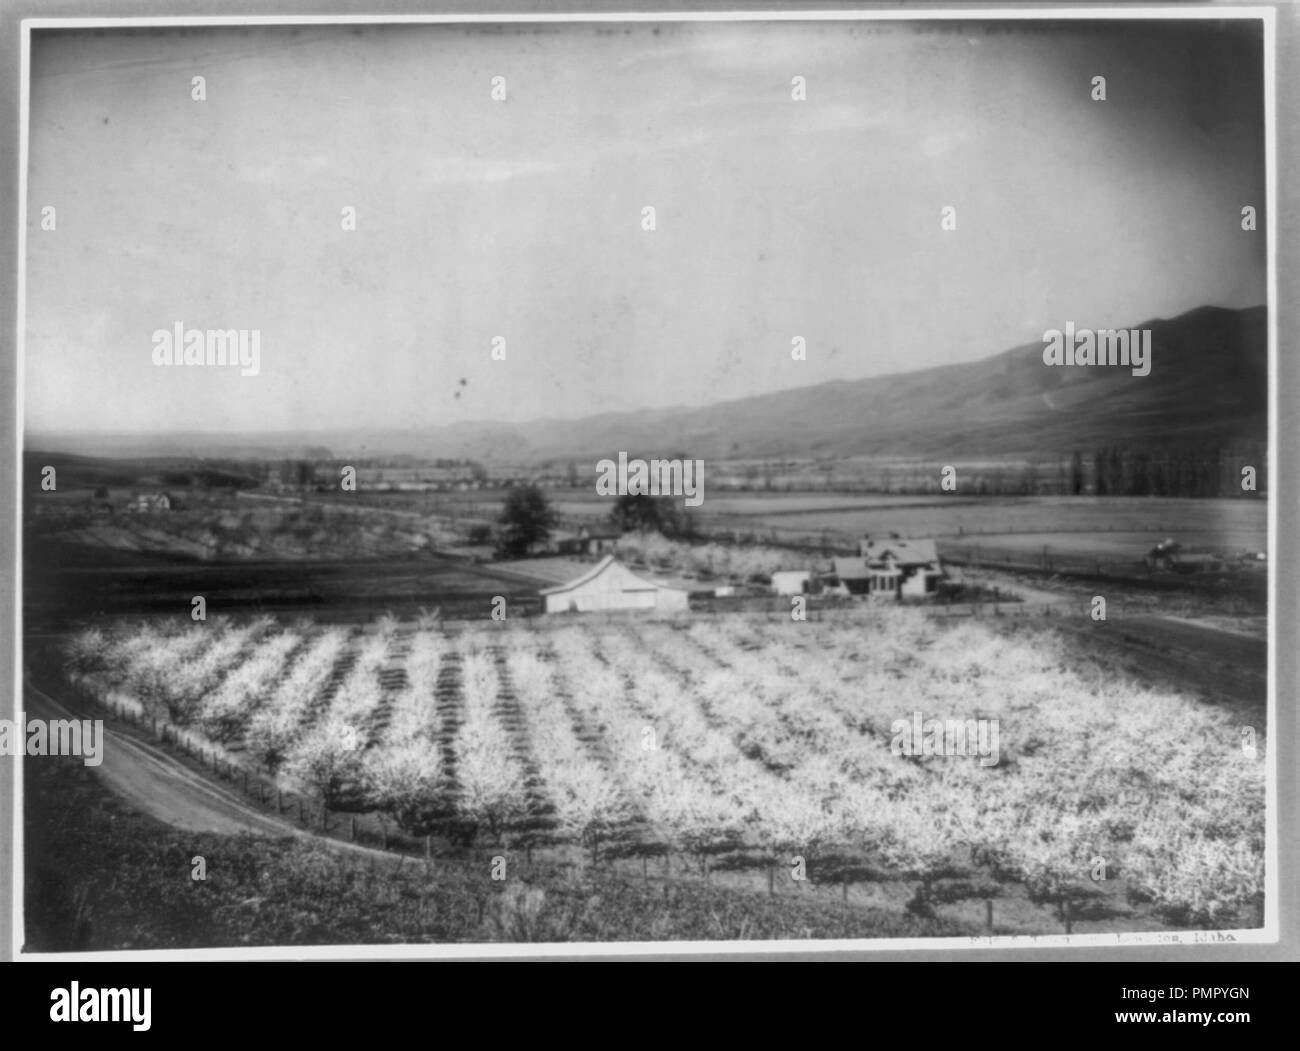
{"points": [[674, 483]]}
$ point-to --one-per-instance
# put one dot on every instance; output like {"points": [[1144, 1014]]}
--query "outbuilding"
{"points": [[792, 581]]}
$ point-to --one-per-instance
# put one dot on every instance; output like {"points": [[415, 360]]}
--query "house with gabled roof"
{"points": [[892, 568]]}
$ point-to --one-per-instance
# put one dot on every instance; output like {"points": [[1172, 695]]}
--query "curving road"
{"points": [[156, 784]]}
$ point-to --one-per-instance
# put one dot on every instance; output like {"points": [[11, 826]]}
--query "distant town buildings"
{"points": [[142, 503], [592, 540]]}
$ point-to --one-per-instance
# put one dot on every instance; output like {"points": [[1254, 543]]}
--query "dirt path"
{"points": [[156, 784]]}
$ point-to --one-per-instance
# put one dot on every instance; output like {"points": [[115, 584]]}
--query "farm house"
{"points": [[609, 585], [891, 568]]}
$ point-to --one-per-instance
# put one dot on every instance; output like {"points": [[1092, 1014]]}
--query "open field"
{"points": [[1112, 545], [336, 524], [1236, 523], [1096, 527], [735, 746], [240, 527], [918, 514], [342, 589]]}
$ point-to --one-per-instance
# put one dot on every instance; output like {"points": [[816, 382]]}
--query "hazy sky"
{"points": [[522, 218]]}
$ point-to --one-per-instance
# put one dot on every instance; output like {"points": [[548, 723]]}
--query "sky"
{"points": [[523, 218]]}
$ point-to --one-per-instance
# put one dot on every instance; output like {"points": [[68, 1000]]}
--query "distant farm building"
{"points": [[792, 581], [1171, 555], [609, 586], [891, 569]]}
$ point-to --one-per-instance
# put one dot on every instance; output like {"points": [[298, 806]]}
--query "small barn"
{"points": [[609, 585]]}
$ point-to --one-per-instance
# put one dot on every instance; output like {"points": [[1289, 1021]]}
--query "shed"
{"points": [[599, 539], [589, 540], [792, 581]]}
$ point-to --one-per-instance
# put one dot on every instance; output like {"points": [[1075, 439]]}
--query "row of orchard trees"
{"points": [[1191, 469], [1198, 471], [1094, 782], [170, 671], [718, 736]]}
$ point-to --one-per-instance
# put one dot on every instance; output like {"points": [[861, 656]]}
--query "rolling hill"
{"points": [[1208, 383]]}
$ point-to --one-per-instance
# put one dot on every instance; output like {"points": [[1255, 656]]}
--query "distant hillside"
{"points": [[78, 472], [1208, 383]]}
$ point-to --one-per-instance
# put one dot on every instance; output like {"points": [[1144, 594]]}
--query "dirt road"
{"points": [[156, 784]]}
